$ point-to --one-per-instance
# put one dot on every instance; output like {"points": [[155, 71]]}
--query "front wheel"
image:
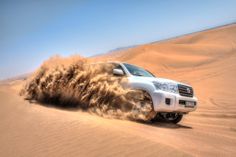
{"points": [[171, 117], [143, 107]]}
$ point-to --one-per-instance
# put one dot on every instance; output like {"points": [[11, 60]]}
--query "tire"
{"points": [[170, 117], [178, 119], [143, 107]]}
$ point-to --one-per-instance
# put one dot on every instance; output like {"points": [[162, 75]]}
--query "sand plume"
{"points": [[76, 82]]}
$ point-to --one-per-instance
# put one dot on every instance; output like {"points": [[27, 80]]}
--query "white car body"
{"points": [[163, 101]]}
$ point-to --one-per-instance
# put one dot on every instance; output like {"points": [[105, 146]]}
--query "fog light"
{"points": [[167, 101]]}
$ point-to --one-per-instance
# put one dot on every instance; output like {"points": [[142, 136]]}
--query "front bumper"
{"points": [[171, 102]]}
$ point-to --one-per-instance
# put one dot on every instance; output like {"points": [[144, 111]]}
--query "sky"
{"points": [[31, 31]]}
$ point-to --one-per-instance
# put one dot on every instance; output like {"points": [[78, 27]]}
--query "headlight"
{"points": [[167, 86]]}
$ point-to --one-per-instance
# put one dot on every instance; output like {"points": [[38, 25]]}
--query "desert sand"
{"points": [[206, 60]]}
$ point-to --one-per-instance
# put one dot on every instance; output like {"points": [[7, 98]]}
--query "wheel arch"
{"points": [[148, 91]]}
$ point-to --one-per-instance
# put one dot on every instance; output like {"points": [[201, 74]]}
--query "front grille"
{"points": [[185, 90]]}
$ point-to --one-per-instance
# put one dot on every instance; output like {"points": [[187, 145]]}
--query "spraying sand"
{"points": [[74, 82]]}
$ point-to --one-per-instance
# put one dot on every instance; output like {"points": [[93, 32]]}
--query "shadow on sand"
{"points": [[170, 125], [76, 107]]}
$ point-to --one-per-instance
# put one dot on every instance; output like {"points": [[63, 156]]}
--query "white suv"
{"points": [[170, 99]]}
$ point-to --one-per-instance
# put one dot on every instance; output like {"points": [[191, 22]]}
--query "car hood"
{"points": [[158, 79]]}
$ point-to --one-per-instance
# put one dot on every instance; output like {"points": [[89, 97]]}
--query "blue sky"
{"points": [[33, 30]]}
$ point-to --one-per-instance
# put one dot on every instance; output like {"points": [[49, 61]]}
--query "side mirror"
{"points": [[118, 72]]}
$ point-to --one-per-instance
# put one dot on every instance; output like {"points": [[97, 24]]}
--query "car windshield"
{"points": [[136, 71]]}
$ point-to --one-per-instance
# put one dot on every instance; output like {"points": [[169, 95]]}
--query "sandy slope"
{"points": [[33, 130], [206, 60]]}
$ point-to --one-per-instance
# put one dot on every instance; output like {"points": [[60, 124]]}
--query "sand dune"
{"points": [[206, 60]]}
